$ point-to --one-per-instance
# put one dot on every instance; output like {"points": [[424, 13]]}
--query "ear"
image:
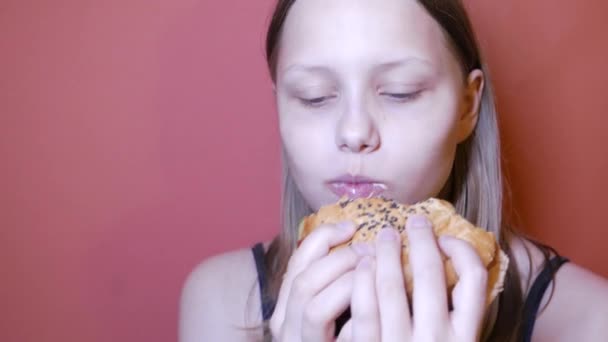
{"points": [[471, 104]]}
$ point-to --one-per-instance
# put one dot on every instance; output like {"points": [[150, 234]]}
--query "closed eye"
{"points": [[402, 97], [317, 101]]}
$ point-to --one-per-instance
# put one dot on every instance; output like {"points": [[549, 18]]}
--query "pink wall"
{"points": [[130, 131]]}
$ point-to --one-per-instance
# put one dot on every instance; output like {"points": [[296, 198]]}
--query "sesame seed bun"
{"points": [[372, 214]]}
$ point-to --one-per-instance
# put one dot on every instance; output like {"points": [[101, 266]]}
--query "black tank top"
{"points": [[531, 305]]}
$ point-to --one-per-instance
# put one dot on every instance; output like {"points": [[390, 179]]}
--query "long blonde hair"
{"points": [[475, 185]]}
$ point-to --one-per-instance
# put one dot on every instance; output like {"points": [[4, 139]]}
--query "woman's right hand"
{"points": [[317, 286]]}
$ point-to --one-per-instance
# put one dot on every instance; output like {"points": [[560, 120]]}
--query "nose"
{"points": [[357, 133]]}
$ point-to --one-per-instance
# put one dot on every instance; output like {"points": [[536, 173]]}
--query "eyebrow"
{"points": [[402, 62], [391, 64]]}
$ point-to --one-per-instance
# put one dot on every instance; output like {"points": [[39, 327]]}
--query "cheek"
{"points": [[422, 149], [427, 128], [307, 152], [426, 143], [306, 141], [423, 168]]}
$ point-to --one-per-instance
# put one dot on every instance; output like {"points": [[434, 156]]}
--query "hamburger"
{"points": [[372, 214]]}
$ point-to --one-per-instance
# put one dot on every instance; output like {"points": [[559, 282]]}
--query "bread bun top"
{"points": [[372, 214]]}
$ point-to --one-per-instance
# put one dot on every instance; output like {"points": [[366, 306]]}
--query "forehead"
{"points": [[356, 33]]}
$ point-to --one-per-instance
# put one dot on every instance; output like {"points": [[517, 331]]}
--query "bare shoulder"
{"points": [[220, 301], [578, 309]]}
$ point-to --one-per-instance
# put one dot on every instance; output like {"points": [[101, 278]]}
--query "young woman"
{"points": [[390, 96]]}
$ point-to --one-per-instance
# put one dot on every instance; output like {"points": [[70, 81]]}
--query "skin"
{"points": [[358, 84]]}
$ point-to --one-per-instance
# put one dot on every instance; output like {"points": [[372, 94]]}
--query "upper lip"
{"points": [[354, 179]]}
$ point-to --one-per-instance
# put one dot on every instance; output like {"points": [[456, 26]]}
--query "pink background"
{"points": [[139, 137]]}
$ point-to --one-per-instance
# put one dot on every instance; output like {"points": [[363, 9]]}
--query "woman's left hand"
{"points": [[379, 304]]}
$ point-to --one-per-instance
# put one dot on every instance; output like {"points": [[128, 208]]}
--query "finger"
{"points": [[395, 322], [320, 273], [312, 281], [364, 306], [469, 294], [318, 322], [430, 297], [320, 240], [346, 334], [316, 245]]}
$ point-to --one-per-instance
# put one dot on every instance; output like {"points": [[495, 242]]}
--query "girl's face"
{"points": [[371, 100]]}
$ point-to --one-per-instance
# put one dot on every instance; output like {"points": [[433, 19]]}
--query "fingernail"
{"points": [[387, 234], [362, 248], [345, 225], [417, 221]]}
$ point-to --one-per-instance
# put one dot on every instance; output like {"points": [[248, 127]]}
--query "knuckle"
{"points": [[311, 316], [293, 262], [365, 318], [347, 255], [433, 261], [297, 263], [423, 245], [390, 288], [301, 287], [426, 261], [479, 275]]}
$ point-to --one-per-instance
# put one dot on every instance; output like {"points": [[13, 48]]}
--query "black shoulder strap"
{"points": [[267, 302], [536, 293]]}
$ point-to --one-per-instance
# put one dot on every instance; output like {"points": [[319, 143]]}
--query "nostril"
{"points": [[357, 137]]}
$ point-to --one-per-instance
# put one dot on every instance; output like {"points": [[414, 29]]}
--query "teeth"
{"points": [[380, 185], [377, 189]]}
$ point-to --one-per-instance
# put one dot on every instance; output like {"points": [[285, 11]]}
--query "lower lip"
{"points": [[357, 190]]}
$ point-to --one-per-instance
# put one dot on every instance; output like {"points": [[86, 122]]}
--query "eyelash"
{"points": [[315, 102], [403, 97], [398, 97]]}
